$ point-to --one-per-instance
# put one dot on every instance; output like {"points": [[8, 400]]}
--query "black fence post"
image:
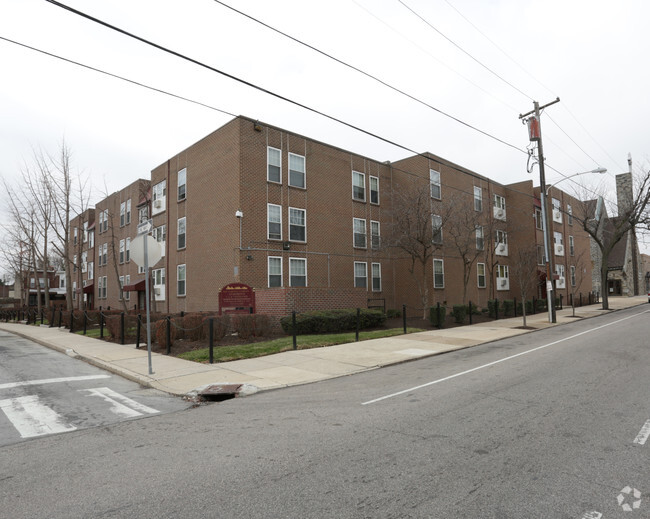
{"points": [[122, 328], [438, 315], [139, 327], [356, 334], [293, 329], [182, 314], [211, 338], [470, 312], [496, 309], [514, 300], [404, 317], [101, 324], [71, 320], [60, 316], [169, 335], [42, 316], [85, 322], [561, 297]]}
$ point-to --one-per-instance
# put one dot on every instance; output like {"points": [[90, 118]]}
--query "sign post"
{"points": [[146, 251]]}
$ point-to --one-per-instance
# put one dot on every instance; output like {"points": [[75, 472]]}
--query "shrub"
{"points": [[333, 321], [507, 306], [161, 333], [459, 312], [251, 325], [433, 315], [492, 308], [392, 313], [220, 327], [541, 305], [193, 329]]}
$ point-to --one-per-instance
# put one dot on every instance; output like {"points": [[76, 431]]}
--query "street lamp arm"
{"points": [[600, 171]]}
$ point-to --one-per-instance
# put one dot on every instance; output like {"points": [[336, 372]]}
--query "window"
{"points": [[559, 270], [297, 224], [181, 233], [557, 213], [74, 263], [499, 209], [360, 274], [569, 211], [540, 255], [128, 250], [358, 186], [91, 269], [359, 226], [571, 246], [91, 239], [434, 181], [121, 291], [572, 269], [121, 251], [274, 221], [84, 261], [436, 229], [105, 288], [438, 273], [478, 199], [501, 237], [158, 276], [128, 211], [274, 165], [62, 282], [76, 234], [376, 277], [275, 271], [180, 280], [127, 281], [105, 258], [538, 219], [297, 272], [558, 240], [479, 238], [85, 232], [296, 170], [105, 220], [480, 272], [159, 196], [160, 233], [122, 214], [375, 237], [143, 214], [503, 283], [101, 221], [74, 290], [499, 202], [374, 190], [182, 174]]}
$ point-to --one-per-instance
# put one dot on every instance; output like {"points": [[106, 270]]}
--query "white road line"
{"points": [[10, 385], [32, 418], [120, 404], [409, 390], [643, 434]]}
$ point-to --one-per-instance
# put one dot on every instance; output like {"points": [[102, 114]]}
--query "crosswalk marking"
{"points": [[32, 418], [120, 404], [10, 385]]}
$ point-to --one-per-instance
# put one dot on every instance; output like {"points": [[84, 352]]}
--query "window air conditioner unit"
{"points": [[157, 204], [156, 291], [502, 247], [500, 213], [504, 282], [560, 249], [286, 245]]}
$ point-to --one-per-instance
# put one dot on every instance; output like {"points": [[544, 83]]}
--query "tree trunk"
{"points": [[603, 284]]}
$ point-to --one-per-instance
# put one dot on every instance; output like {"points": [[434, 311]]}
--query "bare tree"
{"points": [[416, 232], [606, 232], [525, 272]]}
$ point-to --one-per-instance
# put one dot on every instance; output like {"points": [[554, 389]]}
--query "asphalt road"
{"points": [[45, 392], [550, 424]]}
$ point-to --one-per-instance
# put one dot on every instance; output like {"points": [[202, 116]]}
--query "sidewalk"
{"points": [[181, 377]]}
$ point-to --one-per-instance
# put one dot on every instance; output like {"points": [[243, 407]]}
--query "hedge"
{"points": [[332, 321]]}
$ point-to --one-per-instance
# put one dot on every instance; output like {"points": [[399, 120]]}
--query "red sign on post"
{"points": [[237, 298]]}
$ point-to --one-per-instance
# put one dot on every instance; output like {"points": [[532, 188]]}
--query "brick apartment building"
{"points": [[307, 226]]}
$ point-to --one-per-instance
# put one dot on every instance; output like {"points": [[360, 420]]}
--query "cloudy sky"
{"points": [[480, 62]]}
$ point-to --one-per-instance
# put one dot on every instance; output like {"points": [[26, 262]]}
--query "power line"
{"points": [[465, 52], [265, 90], [137, 83]]}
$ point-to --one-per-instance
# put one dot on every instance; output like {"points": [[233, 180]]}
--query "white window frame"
{"points": [[127, 281], [127, 250], [436, 282], [375, 271], [436, 223], [292, 263], [572, 249], [503, 272], [105, 258], [374, 190], [143, 214], [296, 210], [356, 226], [277, 220], [435, 184], [182, 185], [269, 274], [270, 150], [375, 237], [128, 211], [556, 211], [358, 184], [539, 224], [478, 199], [91, 270], [120, 291], [572, 270], [180, 268], [105, 220], [293, 172], [122, 248], [480, 238], [481, 267], [179, 234], [569, 216], [122, 214], [364, 277], [159, 194]]}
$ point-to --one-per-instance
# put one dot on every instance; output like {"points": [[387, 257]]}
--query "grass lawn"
{"points": [[259, 349]]}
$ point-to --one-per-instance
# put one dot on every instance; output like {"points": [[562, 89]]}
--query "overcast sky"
{"points": [[592, 54]]}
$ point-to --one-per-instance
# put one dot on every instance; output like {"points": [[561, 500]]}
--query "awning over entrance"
{"points": [[137, 287], [89, 289]]}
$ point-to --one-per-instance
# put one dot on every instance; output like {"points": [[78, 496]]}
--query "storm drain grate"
{"points": [[220, 392]]}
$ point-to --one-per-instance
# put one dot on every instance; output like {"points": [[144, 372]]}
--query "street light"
{"points": [[600, 171], [550, 291]]}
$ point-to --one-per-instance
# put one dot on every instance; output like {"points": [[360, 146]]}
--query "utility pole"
{"points": [[535, 133]]}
